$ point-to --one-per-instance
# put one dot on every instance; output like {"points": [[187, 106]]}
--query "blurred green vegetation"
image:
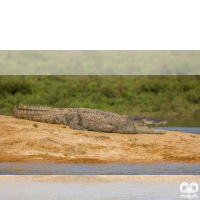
{"points": [[152, 96], [99, 62]]}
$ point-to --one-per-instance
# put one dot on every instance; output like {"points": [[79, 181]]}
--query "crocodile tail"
{"points": [[39, 114], [32, 113], [13, 110], [19, 112]]}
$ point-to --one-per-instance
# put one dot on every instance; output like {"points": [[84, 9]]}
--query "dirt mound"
{"points": [[24, 140]]}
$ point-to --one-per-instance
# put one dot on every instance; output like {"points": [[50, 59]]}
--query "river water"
{"points": [[186, 125], [181, 129], [100, 169]]}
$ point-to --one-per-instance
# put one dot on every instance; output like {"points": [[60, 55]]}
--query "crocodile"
{"points": [[89, 119]]}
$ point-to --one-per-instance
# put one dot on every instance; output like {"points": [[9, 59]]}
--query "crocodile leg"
{"points": [[74, 121]]}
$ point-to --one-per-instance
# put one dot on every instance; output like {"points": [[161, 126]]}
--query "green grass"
{"points": [[67, 154], [83, 152], [33, 156], [163, 96], [35, 125]]}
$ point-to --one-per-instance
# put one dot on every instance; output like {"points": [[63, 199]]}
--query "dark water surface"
{"points": [[181, 129], [185, 125], [183, 122], [99, 169]]}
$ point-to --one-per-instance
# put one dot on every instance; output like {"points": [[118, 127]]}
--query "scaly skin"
{"points": [[89, 119]]}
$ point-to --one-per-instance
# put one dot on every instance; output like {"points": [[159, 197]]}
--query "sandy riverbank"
{"points": [[101, 178], [28, 141]]}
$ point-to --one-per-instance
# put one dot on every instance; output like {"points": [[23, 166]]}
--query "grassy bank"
{"points": [[163, 96]]}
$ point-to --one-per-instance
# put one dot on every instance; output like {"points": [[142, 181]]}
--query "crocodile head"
{"points": [[138, 125], [154, 121], [141, 122]]}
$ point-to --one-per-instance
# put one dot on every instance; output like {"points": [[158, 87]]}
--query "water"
{"points": [[184, 122], [181, 129], [100, 169], [185, 125], [91, 190]]}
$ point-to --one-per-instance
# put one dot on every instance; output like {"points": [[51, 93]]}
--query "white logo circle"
{"points": [[189, 189]]}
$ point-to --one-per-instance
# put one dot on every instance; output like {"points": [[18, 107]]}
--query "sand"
{"points": [[102, 178], [28, 141]]}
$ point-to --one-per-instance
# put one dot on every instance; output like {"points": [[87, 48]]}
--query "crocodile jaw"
{"points": [[147, 130]]}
